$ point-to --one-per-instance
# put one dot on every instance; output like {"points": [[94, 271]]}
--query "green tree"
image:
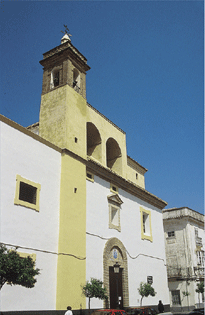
{"points": [[15, 269], [200, 288], [94, 289], [145, 290]]}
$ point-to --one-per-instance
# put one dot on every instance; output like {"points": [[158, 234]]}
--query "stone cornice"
{"points": [[62, 47], [70, 51], [115, 198], [110, 176], [183, 212]]}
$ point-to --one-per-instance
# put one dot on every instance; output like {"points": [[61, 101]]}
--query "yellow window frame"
{"points": [[23, 203], [144, 235], [24, 255], [113, 188], [90, 176]]}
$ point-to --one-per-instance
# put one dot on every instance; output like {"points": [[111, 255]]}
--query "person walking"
{"points": [[69, 312], [160, 307]]}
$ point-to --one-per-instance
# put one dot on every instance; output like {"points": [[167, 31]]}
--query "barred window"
{"points": [[176, 297]]}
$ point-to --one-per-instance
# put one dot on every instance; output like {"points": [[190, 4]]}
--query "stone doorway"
{"points": [[114, 252]]}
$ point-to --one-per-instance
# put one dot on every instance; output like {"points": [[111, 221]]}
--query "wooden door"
{"points": [[115, 282]]}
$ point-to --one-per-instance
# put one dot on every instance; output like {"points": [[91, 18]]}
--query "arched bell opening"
{"points": [[94, 147], [114, 156], [76, 80]]}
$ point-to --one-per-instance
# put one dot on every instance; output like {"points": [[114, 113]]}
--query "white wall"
{"points": [[183, 286], [145, 258], [34, 232]]}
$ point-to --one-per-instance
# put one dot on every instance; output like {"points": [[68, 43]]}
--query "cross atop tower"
{"points": [[66, 35]]}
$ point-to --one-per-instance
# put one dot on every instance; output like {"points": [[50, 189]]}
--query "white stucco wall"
{"points": [[33, 231], [145, 258], [192, 300]]}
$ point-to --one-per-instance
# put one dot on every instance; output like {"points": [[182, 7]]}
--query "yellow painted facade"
{"points": [[22, 254], [63, 119], [126, 167], [63, 122], [70, 123], [108, 130], [71, 270], [135, 173]]}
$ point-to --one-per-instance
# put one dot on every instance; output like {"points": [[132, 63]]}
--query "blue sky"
{"points": [[146, 76]]}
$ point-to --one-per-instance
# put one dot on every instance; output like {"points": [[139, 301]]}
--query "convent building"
{"points": [[73, 200]]}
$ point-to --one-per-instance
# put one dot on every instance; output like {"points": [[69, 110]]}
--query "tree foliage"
{"points": [[94, 289], [15, 269], [185, 293], [200, 287], [145, 290]]}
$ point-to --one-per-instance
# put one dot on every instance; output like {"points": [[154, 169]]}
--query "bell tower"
{"points": [[63, 100], [62, 122]]}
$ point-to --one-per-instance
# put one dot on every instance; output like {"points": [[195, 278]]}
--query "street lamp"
{"points": [[116, 271]]}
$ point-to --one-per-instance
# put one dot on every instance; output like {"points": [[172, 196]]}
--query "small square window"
{"points": [[113, 188], [171, 234], [27, 193], [90, 176]]}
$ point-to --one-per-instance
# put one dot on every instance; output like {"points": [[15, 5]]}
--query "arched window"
{"points": [[94, 148], [114, 156], [76, 80]]}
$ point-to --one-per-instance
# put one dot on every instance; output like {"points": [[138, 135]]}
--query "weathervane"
{"points": [[66, 31]]}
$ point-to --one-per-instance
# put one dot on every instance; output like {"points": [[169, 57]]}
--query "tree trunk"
{"points": [[89, 304]]}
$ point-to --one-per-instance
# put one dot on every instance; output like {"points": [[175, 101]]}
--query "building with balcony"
{"points": [[184, 243]]}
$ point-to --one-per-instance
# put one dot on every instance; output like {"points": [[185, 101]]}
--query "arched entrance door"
{"points": [[116, 274]]}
